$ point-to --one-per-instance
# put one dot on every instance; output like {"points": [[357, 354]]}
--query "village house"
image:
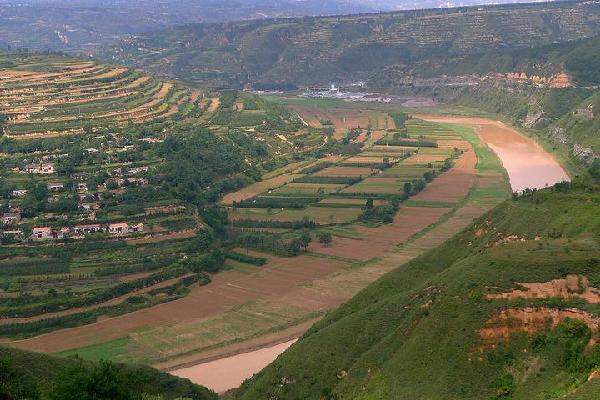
{"points": [[87, 229], [17, 233], [63, 233], [137, 181], [116, 172], [138, 170], [11, 218], [19, 193], [79, 176], [56, 186], [152, 140], [89, 206], [137, 228], [121, 228], [42, 233], [43, 169], [53, 199]]}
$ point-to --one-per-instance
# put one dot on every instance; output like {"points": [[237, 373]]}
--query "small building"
{"points": [[16, 233], [87, 229], [137, 228], [56, 186], [138, 170], [79, 176], [42, 233], [43, 169], [63, 233], [121, 228], [137, 181], [11, 218], [89, 206], [152, 140], [19, 193], [82, 187]]}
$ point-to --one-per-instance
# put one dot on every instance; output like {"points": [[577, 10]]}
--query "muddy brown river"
{"points": [[229, 373], [528, 166]]}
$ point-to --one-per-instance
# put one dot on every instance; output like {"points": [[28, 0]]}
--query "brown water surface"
{"points": [[528, 165], [229, 373]]}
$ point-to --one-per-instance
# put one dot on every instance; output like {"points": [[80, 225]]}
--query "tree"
{"points": [[428, 176], [369, 204], [305, 239], [3, 123], [14, 385], [408, 188], [104, 381], [325, 238]]}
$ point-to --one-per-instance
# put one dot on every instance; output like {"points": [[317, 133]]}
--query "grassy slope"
{"points": [[43, 372], [410, 335]]}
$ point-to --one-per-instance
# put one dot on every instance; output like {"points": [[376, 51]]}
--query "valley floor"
{"points": [[246, 309]]}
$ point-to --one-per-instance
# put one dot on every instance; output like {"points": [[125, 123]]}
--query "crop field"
{"points": [[72, 96], [336, 192], [343, 119]]}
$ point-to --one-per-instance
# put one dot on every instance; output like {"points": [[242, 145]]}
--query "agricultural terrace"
{"points": [[121, 217], [45, 96], [367, 185]]}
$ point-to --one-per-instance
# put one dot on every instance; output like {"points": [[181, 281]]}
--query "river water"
{"points": [[528, 165], [229, 373]]}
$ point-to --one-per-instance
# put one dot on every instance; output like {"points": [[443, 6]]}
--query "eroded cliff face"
{"points": [[557, 81]]}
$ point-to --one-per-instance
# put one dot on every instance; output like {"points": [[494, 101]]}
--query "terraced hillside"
{"points": [[117, 215], [506, 309], [319, 50], [52, 96]]}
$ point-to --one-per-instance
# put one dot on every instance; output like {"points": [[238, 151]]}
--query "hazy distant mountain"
{"points": [[81, 24]]}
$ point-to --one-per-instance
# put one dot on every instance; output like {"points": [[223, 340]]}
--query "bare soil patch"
{"points": [[258, 188], [278, 277], [408, 222], [454, 185], [573, 286], [503, 324]]}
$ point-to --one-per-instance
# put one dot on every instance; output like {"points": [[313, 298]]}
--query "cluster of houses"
{"points": [[115, 229]]}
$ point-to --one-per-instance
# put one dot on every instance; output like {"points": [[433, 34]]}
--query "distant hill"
{"points": [[31, 376], [508, 309], [80, 25], [318, 50]]}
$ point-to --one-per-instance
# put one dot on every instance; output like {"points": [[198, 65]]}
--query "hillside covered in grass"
{"points": [[319, 50], [508, 309], [31, 376]]}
